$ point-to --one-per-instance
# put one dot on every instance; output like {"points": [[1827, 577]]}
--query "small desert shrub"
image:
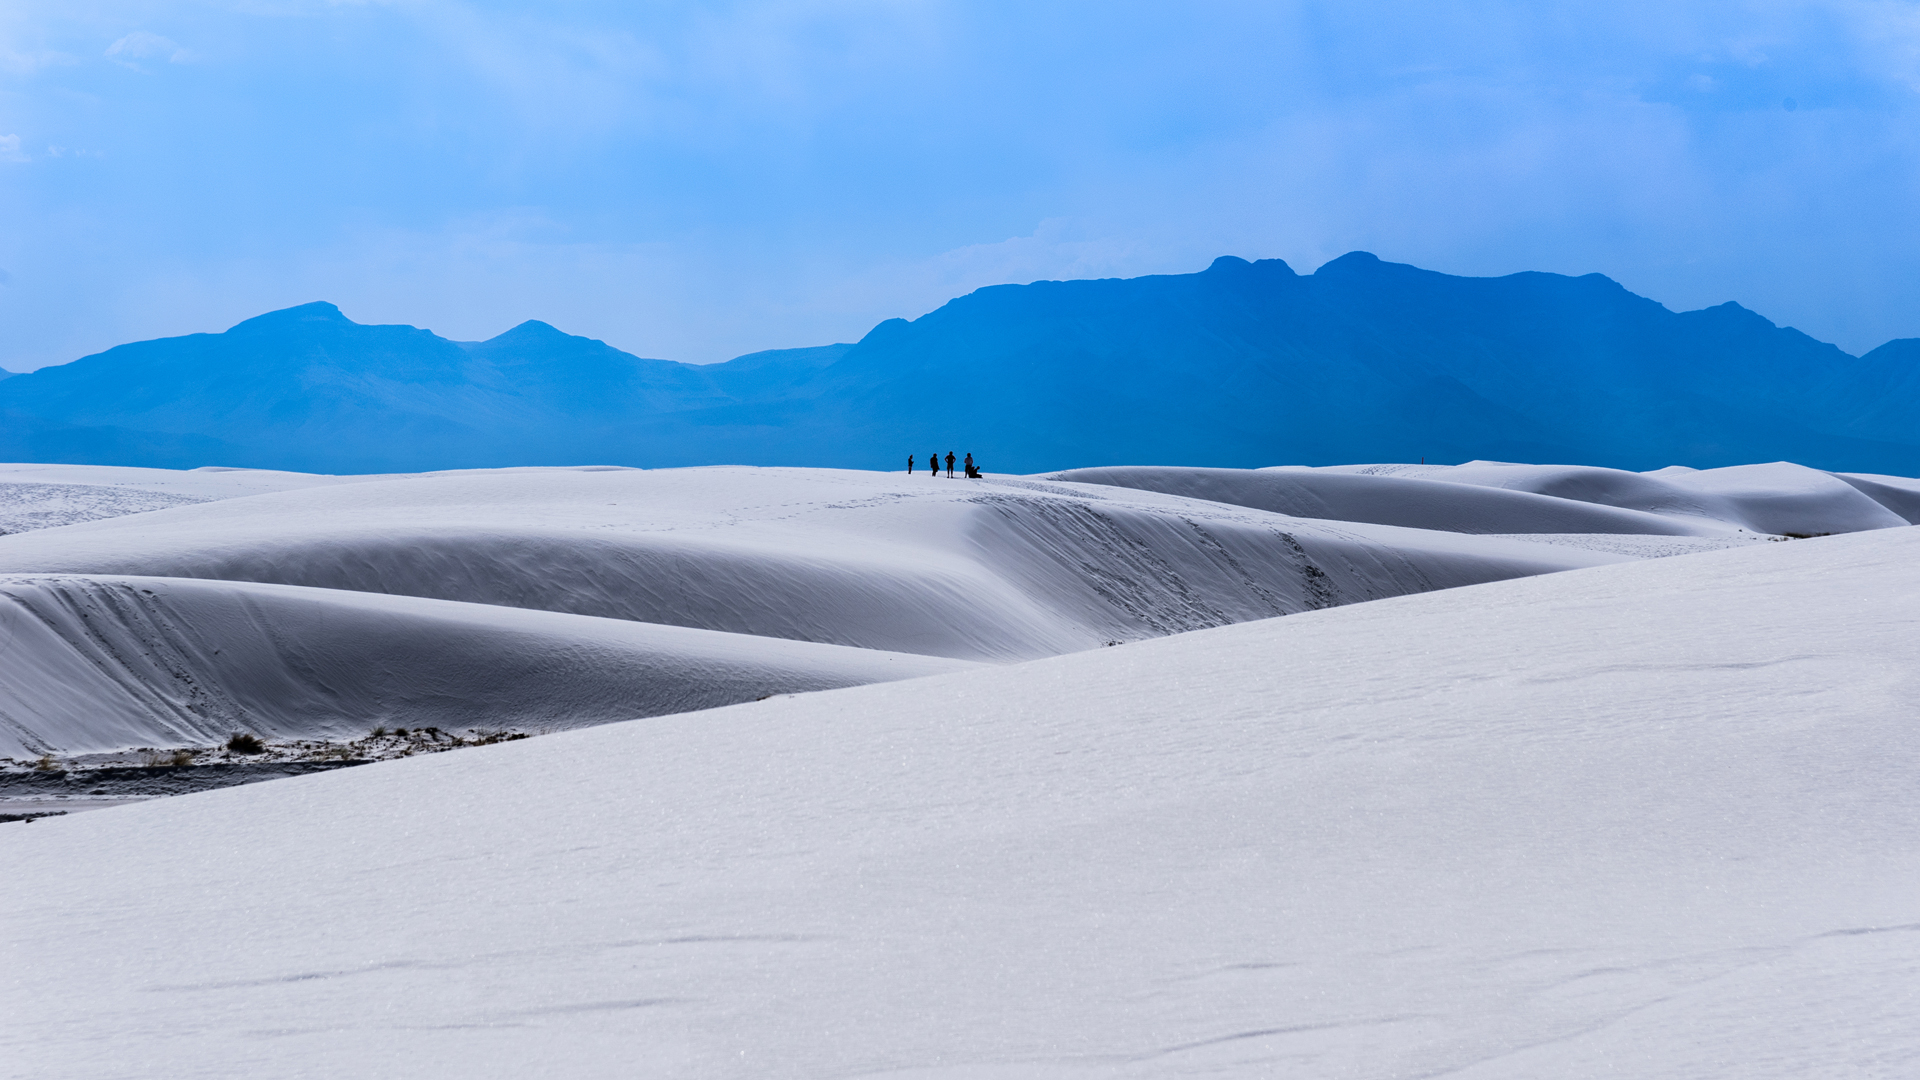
{"points": [[488, 738], [47, 764], [243, 743], [154, 759], [377, 733], [400, 732]]}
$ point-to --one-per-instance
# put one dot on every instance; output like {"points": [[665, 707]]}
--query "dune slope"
{"points": [[1632, 820], [1000, 569], [105, 663], [1413, 502], [1778, 497], [38, 496]]}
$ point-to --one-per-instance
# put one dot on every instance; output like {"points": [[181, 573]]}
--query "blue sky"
{"points": [[694, 181]]}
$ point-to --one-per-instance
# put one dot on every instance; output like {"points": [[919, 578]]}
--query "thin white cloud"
{"points": [[1887, 33], [141, 45], [24, 63], [700, 178], [10, 148], [24, 47]]}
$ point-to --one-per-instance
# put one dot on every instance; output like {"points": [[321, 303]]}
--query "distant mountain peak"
{"points": [[1245, 363], [1899, 346], [1731, 314], [318, 311], [1352, 262], [532, 329], [1234, 264]]}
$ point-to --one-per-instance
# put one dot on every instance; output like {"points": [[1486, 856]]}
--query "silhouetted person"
{"points": [[909, 464], [933, 464], [949, 464], [970, 472]]}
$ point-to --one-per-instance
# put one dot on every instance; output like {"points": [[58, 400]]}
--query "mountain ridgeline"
{"points": [[1244, 364]]}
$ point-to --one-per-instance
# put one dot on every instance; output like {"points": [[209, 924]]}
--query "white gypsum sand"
{"points": [[1006, 568], [994, 570], [104, 663], [1779, 497], [1498, 497], [1654, 819], [1413, 502]]}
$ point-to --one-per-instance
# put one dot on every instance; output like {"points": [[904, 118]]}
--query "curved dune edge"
{"points": [[104, 663], [996, 570], [1499, 497], [1624, 821]]}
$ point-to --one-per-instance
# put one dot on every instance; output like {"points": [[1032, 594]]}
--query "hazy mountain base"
{"points": [[1245, 364]]}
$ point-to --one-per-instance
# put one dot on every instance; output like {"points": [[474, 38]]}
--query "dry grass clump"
{"points": [[488, 738], [243, 743]]}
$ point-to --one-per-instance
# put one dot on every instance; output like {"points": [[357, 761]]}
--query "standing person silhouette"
{"points": [[933, 464], [970, 472], [949, 464], [909, 464]]}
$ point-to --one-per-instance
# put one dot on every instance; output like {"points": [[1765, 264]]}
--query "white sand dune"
{"points": [[211, 482], [1387, 499], [104, 663], [25, 507], [1653, 820], [1897, 493], [995, 570], [49, 496], [1778, 498]]}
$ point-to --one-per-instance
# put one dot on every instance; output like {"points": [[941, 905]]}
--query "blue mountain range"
{"points": [[1243, 364]]}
